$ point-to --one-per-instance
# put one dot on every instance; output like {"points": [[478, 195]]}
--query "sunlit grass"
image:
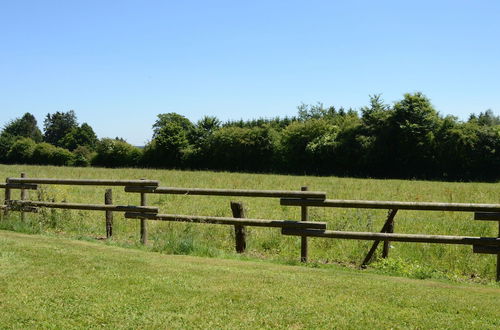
{"points": [[50, 282]]}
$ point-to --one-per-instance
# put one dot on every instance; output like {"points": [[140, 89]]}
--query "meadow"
{"points": [[407, 259]]}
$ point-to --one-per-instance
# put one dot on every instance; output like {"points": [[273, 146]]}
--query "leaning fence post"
{"points": [[144, 229], [23, 197], [108, 200], [304, 216], [387, 244], [239, 231]]}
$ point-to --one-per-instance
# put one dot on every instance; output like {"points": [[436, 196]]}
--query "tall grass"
{"points": [[213, 240]]}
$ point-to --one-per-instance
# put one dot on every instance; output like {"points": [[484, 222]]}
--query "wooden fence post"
{"points": [[304, 216], [108, 200], [239, 231], [144, 228], [23, 197], [7, 198], [387, 244]]}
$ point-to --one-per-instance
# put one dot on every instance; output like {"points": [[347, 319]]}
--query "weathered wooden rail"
{"points": [[229, 221]]}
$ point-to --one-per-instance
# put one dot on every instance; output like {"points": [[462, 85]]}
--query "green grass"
{"points": [[48, 282], [408, 259]]}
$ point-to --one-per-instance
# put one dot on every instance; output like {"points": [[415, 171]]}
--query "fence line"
{"points": [[303, 228]]}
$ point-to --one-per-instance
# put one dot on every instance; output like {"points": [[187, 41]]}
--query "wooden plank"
{"points": [[227, 220], [416, 238], [462, 207], [489, 216], [84, 182], [486, 249], [88, 207], [230, 192], [239, 231]]}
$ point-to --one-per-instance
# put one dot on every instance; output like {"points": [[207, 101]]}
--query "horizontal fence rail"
{"points": [[89, 207], [228, 220], [369, 236], [18, 186], [229, 192], [84, 182], [420, 206]]}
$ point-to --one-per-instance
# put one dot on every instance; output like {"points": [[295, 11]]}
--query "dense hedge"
{"points": [[408, 139]]}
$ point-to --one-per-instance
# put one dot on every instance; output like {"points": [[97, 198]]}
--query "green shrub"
{"points": [[116, 153], [21, 151]]}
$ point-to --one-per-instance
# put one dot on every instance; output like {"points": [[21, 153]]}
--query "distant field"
{"points": [[48, 282], [418, 260]]}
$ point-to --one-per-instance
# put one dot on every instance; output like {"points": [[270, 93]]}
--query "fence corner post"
{"points": [[304, 216], [238, 210], [108, 200]]}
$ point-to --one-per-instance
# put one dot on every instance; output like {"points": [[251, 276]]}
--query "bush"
{"points": [[241, 149], [47, 154], [116, 153], [82, 156], [21, 151]]}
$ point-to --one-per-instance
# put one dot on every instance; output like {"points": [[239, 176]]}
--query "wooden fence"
{"points": [[488, 212], [303, 228]]}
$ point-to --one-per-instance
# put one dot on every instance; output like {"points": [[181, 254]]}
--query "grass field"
{"points": [[408, 259], [48, 282]]}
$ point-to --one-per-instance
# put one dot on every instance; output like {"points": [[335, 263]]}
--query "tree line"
{"points": [[408, 139]]}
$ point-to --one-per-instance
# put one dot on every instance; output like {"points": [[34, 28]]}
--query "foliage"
{"points": [[116, 153], [82, 156], [26, 126], [408, 139], [57, 125], [82, 135], [241, 149], [21, 151], [171, 139], [47, 154]]}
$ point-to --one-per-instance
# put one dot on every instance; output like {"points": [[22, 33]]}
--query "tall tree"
{"points": [[83, 135], [26, 126], [57, 125]]}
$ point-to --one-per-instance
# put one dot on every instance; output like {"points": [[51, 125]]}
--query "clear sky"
{"points": [[120, 63]]}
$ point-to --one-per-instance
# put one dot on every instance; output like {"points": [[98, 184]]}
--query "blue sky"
{"points": [[120, 63]]}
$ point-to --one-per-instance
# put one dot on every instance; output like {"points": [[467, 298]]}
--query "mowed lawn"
{"points": [[50, 282]]}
